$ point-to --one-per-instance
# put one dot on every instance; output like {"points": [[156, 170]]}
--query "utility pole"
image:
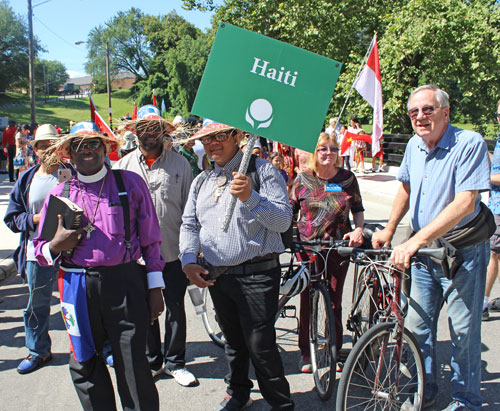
{"points": [[31, 60], [45, 82], [108, 86]]}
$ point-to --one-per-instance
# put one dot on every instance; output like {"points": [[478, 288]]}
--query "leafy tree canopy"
{"points": [[125, 39], [180, 52], [50, 75], [13, 48], [452, 43]]}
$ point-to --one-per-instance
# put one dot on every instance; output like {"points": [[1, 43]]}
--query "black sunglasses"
{"points": [[79, 146]]}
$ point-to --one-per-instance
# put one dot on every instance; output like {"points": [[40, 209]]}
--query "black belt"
{"points": [[99, 268], [250, 267]]}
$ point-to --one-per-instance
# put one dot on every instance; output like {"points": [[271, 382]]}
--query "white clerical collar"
{"points": [[94, 177]]}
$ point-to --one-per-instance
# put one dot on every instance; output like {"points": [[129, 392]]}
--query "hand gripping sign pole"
{"points": [[242, 170]]}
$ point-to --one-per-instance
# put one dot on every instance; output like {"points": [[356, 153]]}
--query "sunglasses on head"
{"points": [[426, 111], [218, 137], [79, 146]]}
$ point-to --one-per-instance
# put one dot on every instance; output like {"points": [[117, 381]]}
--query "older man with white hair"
{"points": [[443, 171]]}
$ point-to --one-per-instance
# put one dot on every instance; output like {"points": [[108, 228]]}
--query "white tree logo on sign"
{"points": [[259, 113]]}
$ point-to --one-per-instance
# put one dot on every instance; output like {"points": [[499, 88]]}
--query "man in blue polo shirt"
{"points": [[443, 171]]}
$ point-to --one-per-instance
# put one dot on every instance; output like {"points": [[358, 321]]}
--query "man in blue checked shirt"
{"points": [[443, 171], [246, 295], [494, 204]]}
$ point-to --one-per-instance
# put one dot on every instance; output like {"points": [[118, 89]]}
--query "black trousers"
{"points": [[12, 153], [118, 312], [174, 353], [246, 306]]}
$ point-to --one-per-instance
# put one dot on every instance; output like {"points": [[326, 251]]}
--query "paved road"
{"points": [[50, 388]]}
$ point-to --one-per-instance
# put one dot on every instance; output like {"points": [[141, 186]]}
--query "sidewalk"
{"points": [[8, 239]]}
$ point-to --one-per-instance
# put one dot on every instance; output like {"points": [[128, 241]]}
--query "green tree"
{"points": [[13, 48], [128, 47], [452, 43], [50, 75], [180, 52]]}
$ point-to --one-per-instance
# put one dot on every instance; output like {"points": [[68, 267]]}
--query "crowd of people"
{"points": [[151, 225]]}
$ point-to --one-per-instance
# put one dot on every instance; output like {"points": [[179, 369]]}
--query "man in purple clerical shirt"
{"points": [[105, 294]]}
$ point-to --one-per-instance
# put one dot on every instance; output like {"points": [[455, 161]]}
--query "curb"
{"points": [[6, 270]]}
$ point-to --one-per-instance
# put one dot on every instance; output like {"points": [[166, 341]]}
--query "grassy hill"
{"points": [[62, 111]]}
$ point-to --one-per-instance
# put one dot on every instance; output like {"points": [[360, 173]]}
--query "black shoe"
{"points": [[232, 404], [485, 316]]}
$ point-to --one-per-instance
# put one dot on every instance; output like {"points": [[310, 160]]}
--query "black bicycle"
{"points": [[296, 275]]}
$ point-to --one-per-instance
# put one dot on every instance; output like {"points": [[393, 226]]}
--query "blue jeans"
{"points": [[464, 297], [37, 313]]}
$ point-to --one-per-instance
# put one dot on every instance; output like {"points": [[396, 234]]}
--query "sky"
{"points": [[58, 24]]}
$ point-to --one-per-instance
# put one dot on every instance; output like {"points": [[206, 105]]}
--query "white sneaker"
{"points": [[182, 376]]}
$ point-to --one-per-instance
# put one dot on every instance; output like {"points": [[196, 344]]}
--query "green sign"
{"points": [[267, 87]]}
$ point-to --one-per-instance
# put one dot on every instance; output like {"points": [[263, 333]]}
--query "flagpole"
{"points": [[357, 75]]}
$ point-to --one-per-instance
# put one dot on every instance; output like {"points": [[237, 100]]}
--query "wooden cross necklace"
{"points": [[90, 227]]}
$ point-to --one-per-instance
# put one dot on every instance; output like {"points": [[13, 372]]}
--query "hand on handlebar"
{"points": [[402, 254], [355, 237], [381, 239], [193, 273]]}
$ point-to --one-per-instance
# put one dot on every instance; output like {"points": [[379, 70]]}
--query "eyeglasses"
{"points": [[324, 150], [79, 146], [218, 137], [426, 111]]}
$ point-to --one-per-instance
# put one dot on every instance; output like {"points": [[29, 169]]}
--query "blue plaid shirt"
{"points": [[255, 227], [458, 163], [494, 202]]}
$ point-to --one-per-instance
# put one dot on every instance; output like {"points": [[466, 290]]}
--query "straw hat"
{"points": [[82, 130], [45, 132], [148, 118]]}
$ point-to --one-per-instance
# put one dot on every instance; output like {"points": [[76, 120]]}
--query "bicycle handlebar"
{"points": [[318, 241], [438, 253]]}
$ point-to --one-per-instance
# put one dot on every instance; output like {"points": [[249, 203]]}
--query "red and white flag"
{"points": [[96, 118], [369, 85], [154, 99]]}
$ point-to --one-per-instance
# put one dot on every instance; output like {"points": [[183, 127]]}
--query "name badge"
{"points": [[333, 188]]}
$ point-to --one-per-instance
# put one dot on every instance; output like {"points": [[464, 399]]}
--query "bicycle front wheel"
{"points": [[374, 379], [322, 342], [209, 318]]}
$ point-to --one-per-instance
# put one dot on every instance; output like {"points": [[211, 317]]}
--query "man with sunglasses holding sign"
{"points": [[245, 294], [443, 171], [168, 176], [105, 294]]}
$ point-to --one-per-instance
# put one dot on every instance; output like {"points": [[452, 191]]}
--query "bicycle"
{"points": [[384, 369], [296, 275], [372, 291], [297, 271]]}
